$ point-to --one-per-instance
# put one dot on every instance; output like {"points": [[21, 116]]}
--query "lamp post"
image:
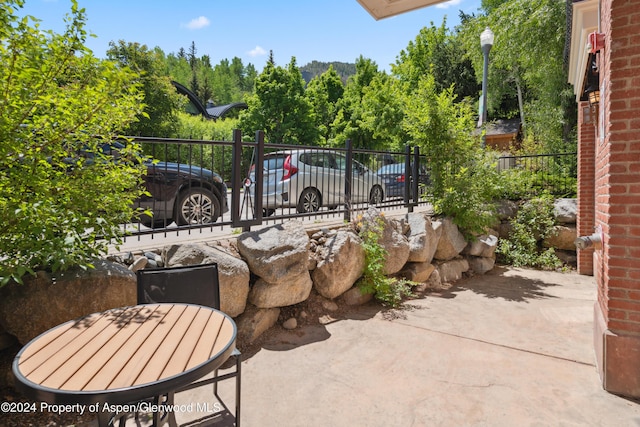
{"points": [[486, 41]]}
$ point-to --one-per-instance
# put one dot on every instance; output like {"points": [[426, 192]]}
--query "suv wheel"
{"points": [[309, 201], [197, 206]]}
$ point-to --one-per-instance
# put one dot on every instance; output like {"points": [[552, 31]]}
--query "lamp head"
{"points": [[486, 38]]}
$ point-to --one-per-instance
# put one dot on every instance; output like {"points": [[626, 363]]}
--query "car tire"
{"points": [[376, 195], [309, 201], [197, 205]]}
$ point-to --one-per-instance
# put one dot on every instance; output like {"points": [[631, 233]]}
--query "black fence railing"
{"points": [[197, 185], [530, 175]]}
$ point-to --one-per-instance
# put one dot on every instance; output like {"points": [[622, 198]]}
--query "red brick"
{"points": [[621, 325], [625, 305], [621, 294], [617, 314]]}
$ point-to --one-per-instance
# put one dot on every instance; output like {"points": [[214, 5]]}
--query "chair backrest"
{"points": [[192, 284]]}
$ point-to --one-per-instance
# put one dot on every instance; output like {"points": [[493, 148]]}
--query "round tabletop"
{"points": [[125, 354]]}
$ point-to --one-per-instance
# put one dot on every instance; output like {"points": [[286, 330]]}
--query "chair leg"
{"points": [[238, 381], [172, 413], [104, 419]]}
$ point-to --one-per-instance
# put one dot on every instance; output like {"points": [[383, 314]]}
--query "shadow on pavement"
{"points": [[498, 284]]}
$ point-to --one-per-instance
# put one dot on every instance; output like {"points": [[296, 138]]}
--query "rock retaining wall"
{"points": [[263, 271]]}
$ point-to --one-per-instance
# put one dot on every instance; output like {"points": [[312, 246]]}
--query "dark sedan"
{"points": [[394, 178], [180, 193]]}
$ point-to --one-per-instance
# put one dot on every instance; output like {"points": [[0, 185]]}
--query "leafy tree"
{"points": [[161, 100], [224, 83], [439, 52], [383, 112], [279, 107], [58, 208], [178, 68], [464, 182], [527, 63], [316, 68], [349, 119], [324, 92]]}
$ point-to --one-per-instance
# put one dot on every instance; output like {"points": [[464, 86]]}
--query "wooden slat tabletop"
{"points": [[126, 348]]}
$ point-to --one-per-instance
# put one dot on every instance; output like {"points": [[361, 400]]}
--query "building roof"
{"points": [[221, 110], [584, 21], [385, 8], [503, 127]]}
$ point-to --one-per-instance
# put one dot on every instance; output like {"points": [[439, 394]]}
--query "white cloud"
{"points": [[199, 22], [257, 51], [448, 4]]}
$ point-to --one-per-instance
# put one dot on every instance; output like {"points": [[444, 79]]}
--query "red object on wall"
{"points": [[596, 40]]}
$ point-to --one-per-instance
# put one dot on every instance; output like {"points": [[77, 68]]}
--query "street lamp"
{"points": [[486, 41]]}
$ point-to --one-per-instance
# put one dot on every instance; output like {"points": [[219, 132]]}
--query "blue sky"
{"points": [[323, 30]]}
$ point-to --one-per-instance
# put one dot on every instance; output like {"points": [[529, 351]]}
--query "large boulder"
{"points": [[45, 301], [423, 238], [506, 209], [276, 253], [484, 246], [452, 270], [417, 271], [255, 321], [266, 295], [451, 241], [354, 296], [233, 273], [565, 210], [341, 261], [561, 237], [392, 239], [481, 265]]}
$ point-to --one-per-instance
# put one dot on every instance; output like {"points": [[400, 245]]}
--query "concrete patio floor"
{"points": [[510, 348]]}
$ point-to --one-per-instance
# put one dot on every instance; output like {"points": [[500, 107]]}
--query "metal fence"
{"points": [[530, 175], [238, 184]]}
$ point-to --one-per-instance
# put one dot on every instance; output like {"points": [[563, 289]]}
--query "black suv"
{"points": [[179, 192]]}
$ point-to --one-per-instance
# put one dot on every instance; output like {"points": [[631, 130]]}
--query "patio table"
{"points": [[112, 358]]}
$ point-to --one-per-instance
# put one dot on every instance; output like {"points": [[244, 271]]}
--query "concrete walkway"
{"points": [[511, 348]]}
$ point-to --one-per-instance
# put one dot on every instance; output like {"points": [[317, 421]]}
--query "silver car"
{"points": [[309, 179]]}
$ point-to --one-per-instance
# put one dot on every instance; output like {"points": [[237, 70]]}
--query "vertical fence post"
{"points": [[415, 171], [347, 182], [407, 176], [236, 176], [238, 182], [258, 174]]}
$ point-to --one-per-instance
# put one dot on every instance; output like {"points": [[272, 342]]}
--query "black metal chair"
{"points": [[194, 284]]}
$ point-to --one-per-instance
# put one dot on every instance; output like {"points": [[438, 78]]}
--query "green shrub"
{"points": [[389, 291], [523, 184], [216, 157], [463, 176], [58, 208], [531, 225]]}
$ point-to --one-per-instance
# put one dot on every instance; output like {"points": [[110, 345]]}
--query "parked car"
{"points": [[394, 178], [183, 193], [309, 179]]}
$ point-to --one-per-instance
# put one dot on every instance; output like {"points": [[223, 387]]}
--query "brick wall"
{"points": [[586, 182], [617, 198]]}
